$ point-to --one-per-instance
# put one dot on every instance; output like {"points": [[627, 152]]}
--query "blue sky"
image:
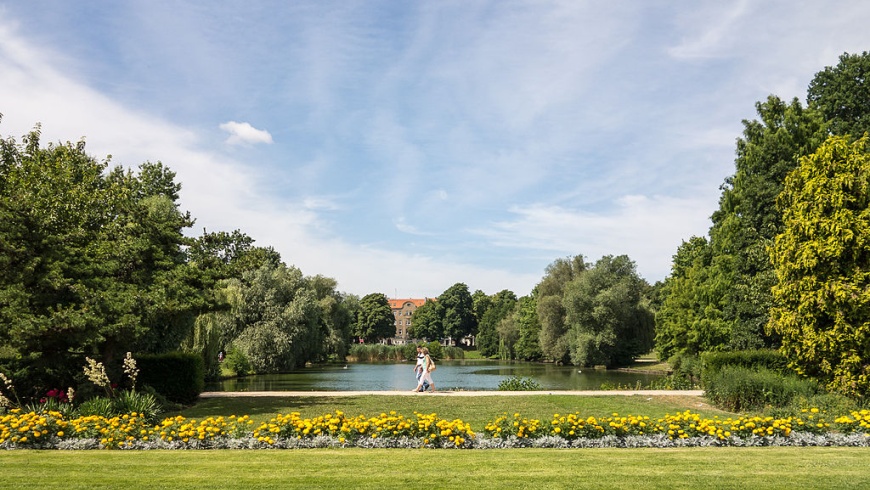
{"points": [[403, 146]]}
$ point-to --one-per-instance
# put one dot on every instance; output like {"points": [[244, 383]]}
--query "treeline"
{"points": [[95, 263], [582, 313], [786, 264]]}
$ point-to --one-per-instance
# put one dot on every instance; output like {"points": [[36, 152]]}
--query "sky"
{"points": [[401, 146]]}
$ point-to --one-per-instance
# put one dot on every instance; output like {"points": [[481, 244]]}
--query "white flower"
{"points": [[96, 373], [130, 369]]}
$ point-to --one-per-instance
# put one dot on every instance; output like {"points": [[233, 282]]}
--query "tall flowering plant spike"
{"points": [[96, 373], [10, 390], [131, 370]]}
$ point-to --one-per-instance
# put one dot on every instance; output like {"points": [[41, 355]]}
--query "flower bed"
{"points": [[20, 430]]}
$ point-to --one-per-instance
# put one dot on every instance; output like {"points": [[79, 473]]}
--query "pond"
{"points": [[450, 375]]}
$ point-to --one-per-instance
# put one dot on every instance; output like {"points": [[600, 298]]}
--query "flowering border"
{"points": [[19, 430]]}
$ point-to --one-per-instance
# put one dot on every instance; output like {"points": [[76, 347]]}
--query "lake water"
{"points": [[450, 375]]}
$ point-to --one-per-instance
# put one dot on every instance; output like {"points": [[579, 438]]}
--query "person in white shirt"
{"points": [[418, 369], [426, 377]]}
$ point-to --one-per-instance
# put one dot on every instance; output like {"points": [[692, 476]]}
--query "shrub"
{"points": [[712, 362], [237, 362], [452, 352], [737, 388], [435, 350], [517, 383], [178, 376]]}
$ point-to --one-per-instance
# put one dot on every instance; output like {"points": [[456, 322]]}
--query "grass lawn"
{"points": [[709, 468], [476, 411]]}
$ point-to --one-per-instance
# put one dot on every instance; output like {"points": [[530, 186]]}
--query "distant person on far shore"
{"points": [[428, 367], [418, 368]]}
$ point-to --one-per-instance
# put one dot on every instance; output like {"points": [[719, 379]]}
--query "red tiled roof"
{"points": [[398, 304]]}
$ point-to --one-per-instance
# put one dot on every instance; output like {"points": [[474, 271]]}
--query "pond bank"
{"points": [[231, 394]]}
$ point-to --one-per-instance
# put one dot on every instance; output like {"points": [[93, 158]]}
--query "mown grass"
{"points": [[474, 410], [711, 468]]}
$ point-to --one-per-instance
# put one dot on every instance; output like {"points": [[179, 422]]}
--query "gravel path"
{"points": [[230, 394]]}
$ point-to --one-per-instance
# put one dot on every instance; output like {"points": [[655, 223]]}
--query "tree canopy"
{"points": [[822, 263], [375, 319], [93, 262]]}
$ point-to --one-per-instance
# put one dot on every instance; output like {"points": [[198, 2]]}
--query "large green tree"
{"points": [[690, 320], [606, 313], [525, 316], [842, 94], [93, 262], [499, 307], [822, 263], [375, 319], [718, 295], [551, 312], [276, 318], [457, 312], [426, 322]]}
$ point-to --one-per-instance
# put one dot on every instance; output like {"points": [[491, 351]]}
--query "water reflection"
{"points": [[450, 375]]}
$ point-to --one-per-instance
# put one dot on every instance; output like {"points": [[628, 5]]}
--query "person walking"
{"points": [[428, 367], [418, 368]]}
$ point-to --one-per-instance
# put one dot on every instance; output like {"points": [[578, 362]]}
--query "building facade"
{"points": [[403, 310]]}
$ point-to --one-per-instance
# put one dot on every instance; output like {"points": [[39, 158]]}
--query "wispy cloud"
{"points": [[459, 141], [245, 134], [646, 228]]}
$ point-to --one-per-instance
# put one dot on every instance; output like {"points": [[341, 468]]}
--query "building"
{"points": [[403, 310]]}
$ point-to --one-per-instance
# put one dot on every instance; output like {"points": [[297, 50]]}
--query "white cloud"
{"points": [[220, 192], [646, 228], [243, 133]]}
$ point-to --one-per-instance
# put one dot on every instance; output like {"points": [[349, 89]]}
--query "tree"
{"points": [[375, 319], [689, 320], [457, 312], [551, 313], [426, 321], [223, 255], [822, 263], [606, 314], [337, 314], [525, 315], [276, 318], [499, 307], [842, 94], [93, 263]]}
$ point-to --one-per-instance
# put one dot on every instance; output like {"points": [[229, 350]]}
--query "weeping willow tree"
{"points": [[214, 331]]}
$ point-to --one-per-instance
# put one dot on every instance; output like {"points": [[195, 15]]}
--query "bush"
{"points": [[712, 362], [517, 383], [452, 352], [686, 369], [178, 376], [435, 350], [237, 362], [737, 388]]}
